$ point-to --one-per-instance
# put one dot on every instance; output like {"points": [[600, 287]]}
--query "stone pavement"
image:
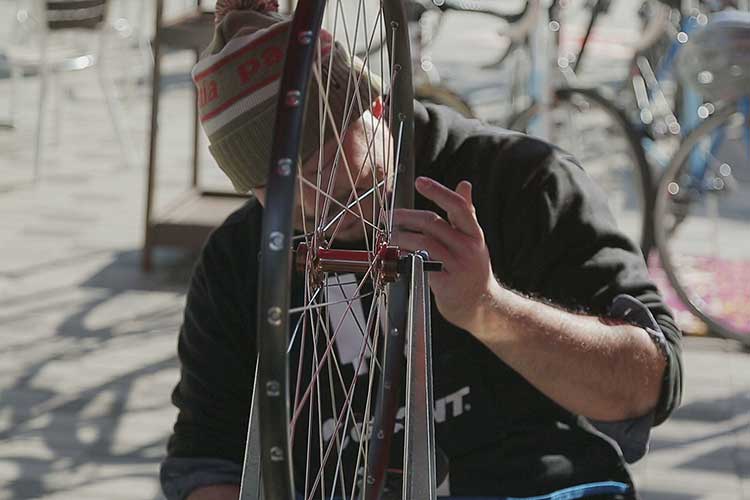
{"points": [[87, 341]]}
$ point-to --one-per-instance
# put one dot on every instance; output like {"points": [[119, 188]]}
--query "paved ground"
{"points": [[87, 342]]}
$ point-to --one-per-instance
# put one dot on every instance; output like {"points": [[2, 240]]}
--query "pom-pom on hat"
{"points": [[225, 6], [238, 81]]}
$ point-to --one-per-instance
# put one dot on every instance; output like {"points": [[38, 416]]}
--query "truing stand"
{"points": [[419, 450], [251, 487]]}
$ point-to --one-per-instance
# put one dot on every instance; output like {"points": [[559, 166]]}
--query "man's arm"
{"points": [[598, 370], [606, 372]]}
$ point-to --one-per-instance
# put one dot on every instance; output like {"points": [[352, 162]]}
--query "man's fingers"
{"points": [[464, 189], [423, 221], [412, 242], [460, 210]]}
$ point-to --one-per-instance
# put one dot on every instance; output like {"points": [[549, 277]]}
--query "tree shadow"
{"points": [[726, 460], [714, 410], [52, 421]]}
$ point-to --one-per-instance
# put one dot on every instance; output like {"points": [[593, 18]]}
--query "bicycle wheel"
{"points": [[327, 295], [597, 133], [702, 223]]}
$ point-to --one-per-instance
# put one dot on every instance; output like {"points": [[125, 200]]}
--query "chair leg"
{"points": [[113, 107], [56, 97], [148, 244], [144, 44], [196, 131], [43, 91], [15, 83]]}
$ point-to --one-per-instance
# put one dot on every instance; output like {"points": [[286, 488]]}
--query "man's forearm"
{"points": [[216, 492], [602, 371]]}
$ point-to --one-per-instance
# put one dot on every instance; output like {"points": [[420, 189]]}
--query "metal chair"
{"points": [[47, 43]]}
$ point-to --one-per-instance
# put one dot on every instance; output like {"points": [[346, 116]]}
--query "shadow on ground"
{"points": [[647, 494], [58, 436]]}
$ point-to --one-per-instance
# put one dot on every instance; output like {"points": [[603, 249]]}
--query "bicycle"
{"points": [[700, 210], [630, 204], [584, 119], [664, 215], [638, 121], [426, 19]]}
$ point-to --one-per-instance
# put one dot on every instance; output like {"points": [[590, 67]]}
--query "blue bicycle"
{"points": [[701, 216], [686, 117]]}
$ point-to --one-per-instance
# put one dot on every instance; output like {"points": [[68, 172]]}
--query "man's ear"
{"points": [[377, 108]]}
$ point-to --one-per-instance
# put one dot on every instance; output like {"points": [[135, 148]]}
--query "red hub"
{"points": [[383, 262]]}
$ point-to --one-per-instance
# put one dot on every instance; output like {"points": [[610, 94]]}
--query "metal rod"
{"points": [[541, 85], [251, 487], [419, 451]]}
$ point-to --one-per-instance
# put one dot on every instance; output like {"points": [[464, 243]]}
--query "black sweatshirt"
{"points": [[549, 234]]}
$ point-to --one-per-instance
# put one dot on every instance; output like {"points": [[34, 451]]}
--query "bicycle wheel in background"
{"points": [[702, 223], [326, 291], [597, 133]]}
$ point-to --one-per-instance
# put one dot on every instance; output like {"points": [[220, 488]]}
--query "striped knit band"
{"points": [[238, 84]]}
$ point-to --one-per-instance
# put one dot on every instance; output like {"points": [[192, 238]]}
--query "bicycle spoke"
{"points": [[326, 304], [343, 207]]}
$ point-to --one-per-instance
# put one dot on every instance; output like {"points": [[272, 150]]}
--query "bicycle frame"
{"points": [[700, 164], [647, 84]]}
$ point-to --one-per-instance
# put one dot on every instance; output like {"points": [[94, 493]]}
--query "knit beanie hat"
{"points": [[238, 81]]}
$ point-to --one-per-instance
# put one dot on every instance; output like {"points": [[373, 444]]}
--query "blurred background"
{"points": [[102, 212]]}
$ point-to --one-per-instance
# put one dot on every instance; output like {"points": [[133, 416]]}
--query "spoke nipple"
{"points": [[394, 331], [276, 454], [401, 117], [305, 37], [293, 98], [273, 388], [394, 25], [370, 480], [396, 68], [284, 167], [276, 241], [274, 316], [381, 434]]}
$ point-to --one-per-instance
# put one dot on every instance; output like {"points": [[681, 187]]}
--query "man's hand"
{"points": [[604, 372], [466, 281]]}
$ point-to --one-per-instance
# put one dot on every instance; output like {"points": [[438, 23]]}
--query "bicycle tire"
{"points": [[640, 175], [285, 408], [437, 94], [695, 275]]}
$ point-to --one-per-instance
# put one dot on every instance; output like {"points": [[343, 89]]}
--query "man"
{"points": [[551, 344]]}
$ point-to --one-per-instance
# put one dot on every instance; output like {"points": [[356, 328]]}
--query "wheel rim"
{"points": [[701, 225], [322, 347], [598, 138]]}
